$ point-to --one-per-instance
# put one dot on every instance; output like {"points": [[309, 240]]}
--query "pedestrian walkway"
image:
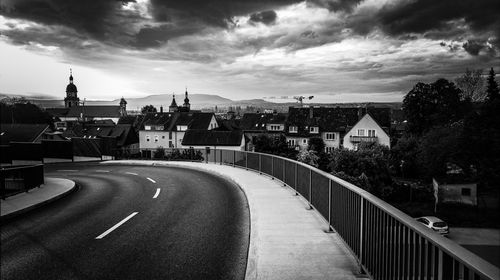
{"points": [[52, 189], [287, 241]]}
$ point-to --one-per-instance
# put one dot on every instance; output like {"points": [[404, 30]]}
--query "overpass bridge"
{"points": [[386, 243]]}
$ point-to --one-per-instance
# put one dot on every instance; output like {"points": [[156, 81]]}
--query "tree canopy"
{"points": [[492, 91], [148, 109]]}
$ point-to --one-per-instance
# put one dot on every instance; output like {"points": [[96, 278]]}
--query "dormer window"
{"points": [[314, 129], [293, 129], [159, 127], [147, 127], [181, 127], [330, 136]]}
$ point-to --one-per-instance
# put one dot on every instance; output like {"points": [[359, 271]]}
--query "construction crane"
{"points": [[301, 98]]}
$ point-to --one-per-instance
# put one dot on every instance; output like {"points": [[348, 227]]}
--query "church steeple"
{"points": [[186, 104], [71, 98], [173, 106]]}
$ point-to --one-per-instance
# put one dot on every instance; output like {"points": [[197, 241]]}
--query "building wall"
{"points": [[335, 143], [241, 147], [366, 123], [457, 193], [301, 142], [163, 139], [213, 124]]}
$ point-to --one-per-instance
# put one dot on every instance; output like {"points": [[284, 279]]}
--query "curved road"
{"points": [[131, 222]]}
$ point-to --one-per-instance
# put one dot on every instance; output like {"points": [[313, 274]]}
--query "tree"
{"points": [[23, 112], [309, 157], [274, 145], [404, 157], [492, 91], [428, 105], [472, 85], [148, 109], [371, 160], [316, 144]]}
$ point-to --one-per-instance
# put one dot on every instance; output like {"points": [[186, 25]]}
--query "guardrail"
{"points": [[16, 179], [387, 243]]}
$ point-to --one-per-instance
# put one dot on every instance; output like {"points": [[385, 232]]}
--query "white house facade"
{"points": [[366, 130]]}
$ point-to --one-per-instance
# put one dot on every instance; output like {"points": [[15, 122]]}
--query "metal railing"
{"points": [[359, 139], [16, 179], [387, 243]]}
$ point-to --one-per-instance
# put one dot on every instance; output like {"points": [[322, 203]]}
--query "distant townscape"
{"points": [[432, 144]]}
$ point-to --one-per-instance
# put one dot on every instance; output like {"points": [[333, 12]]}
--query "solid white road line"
{"points": [[157, 193], [131, 173], [151, 180], [116, 226], [67, 170]]}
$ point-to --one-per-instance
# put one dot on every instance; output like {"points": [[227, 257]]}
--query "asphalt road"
{"points": [[187, 225]]}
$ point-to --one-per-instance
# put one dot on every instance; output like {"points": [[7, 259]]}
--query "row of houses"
{"points": [[338, 127]]}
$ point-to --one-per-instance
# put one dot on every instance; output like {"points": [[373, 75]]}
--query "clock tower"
{"points": [[71, 99]]}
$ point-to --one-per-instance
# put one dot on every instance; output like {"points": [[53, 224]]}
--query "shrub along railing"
{"points": [[387, 243], [16, 179]]}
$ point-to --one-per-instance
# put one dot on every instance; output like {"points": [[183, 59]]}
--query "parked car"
{"points": [[435, 224]]}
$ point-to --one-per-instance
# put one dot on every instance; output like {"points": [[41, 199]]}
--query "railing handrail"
{"points": [[452, 248], [14, 167], [479, 265]]}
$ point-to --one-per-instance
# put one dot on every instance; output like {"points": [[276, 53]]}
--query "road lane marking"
{"points": [[67, 170], [157, 193], [151, 180], [116, 226], [131, 173], [104, 171]]}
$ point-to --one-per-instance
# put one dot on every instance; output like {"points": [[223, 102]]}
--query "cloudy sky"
{"points": [[336, 50]]}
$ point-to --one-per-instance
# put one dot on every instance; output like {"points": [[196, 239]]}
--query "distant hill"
{"points": [[197, 101]]}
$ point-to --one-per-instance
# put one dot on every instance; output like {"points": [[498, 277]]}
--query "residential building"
{"points": [[327, 123], [366, 130], [253, 125], [167, 129], [26, 133], [213, 139]]}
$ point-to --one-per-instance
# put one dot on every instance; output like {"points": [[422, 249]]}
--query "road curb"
{"points": [[9, 216]]}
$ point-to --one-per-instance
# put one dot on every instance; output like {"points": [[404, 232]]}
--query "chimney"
{"points": [[311, 112], [361, 112], [161, 109]]}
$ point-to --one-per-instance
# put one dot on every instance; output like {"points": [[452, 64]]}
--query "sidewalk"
{"points": [[53, 189], [287, 241]]}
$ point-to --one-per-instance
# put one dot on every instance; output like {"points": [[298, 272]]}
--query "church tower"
{"points": [[123, 107], [71, 98], [186, 104], [173, 106]]}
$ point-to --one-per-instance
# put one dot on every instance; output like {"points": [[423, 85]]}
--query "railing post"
{"points": [[330, 229], [246, 160], [234, 157], [260, 164], [220, 157], [310, 189], [361, 228], [272, 167], [295, 186], [284, 184]]}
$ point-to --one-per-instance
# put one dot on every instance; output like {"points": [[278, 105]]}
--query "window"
{"points": [[361, 132], [292, 129], [291, 142], [147, 127], [170, 144], [156, 138], [159, 127], [304, 141], [170, 135], [329, 149], [371, 132], [163, 137], [465, 191], [148, 138], [330, 136], [314, 129]]}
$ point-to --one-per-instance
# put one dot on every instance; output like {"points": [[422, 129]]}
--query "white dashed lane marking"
{"points": [[116, 226], [67, 170], [157, 193], [153, 181], [131, 173]]}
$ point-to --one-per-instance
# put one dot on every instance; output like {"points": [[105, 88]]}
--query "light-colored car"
{"points": [[435, 224]]}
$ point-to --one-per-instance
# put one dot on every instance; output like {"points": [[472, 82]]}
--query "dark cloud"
{"points": [[338, 5], [422, 16], [265, 17]]}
